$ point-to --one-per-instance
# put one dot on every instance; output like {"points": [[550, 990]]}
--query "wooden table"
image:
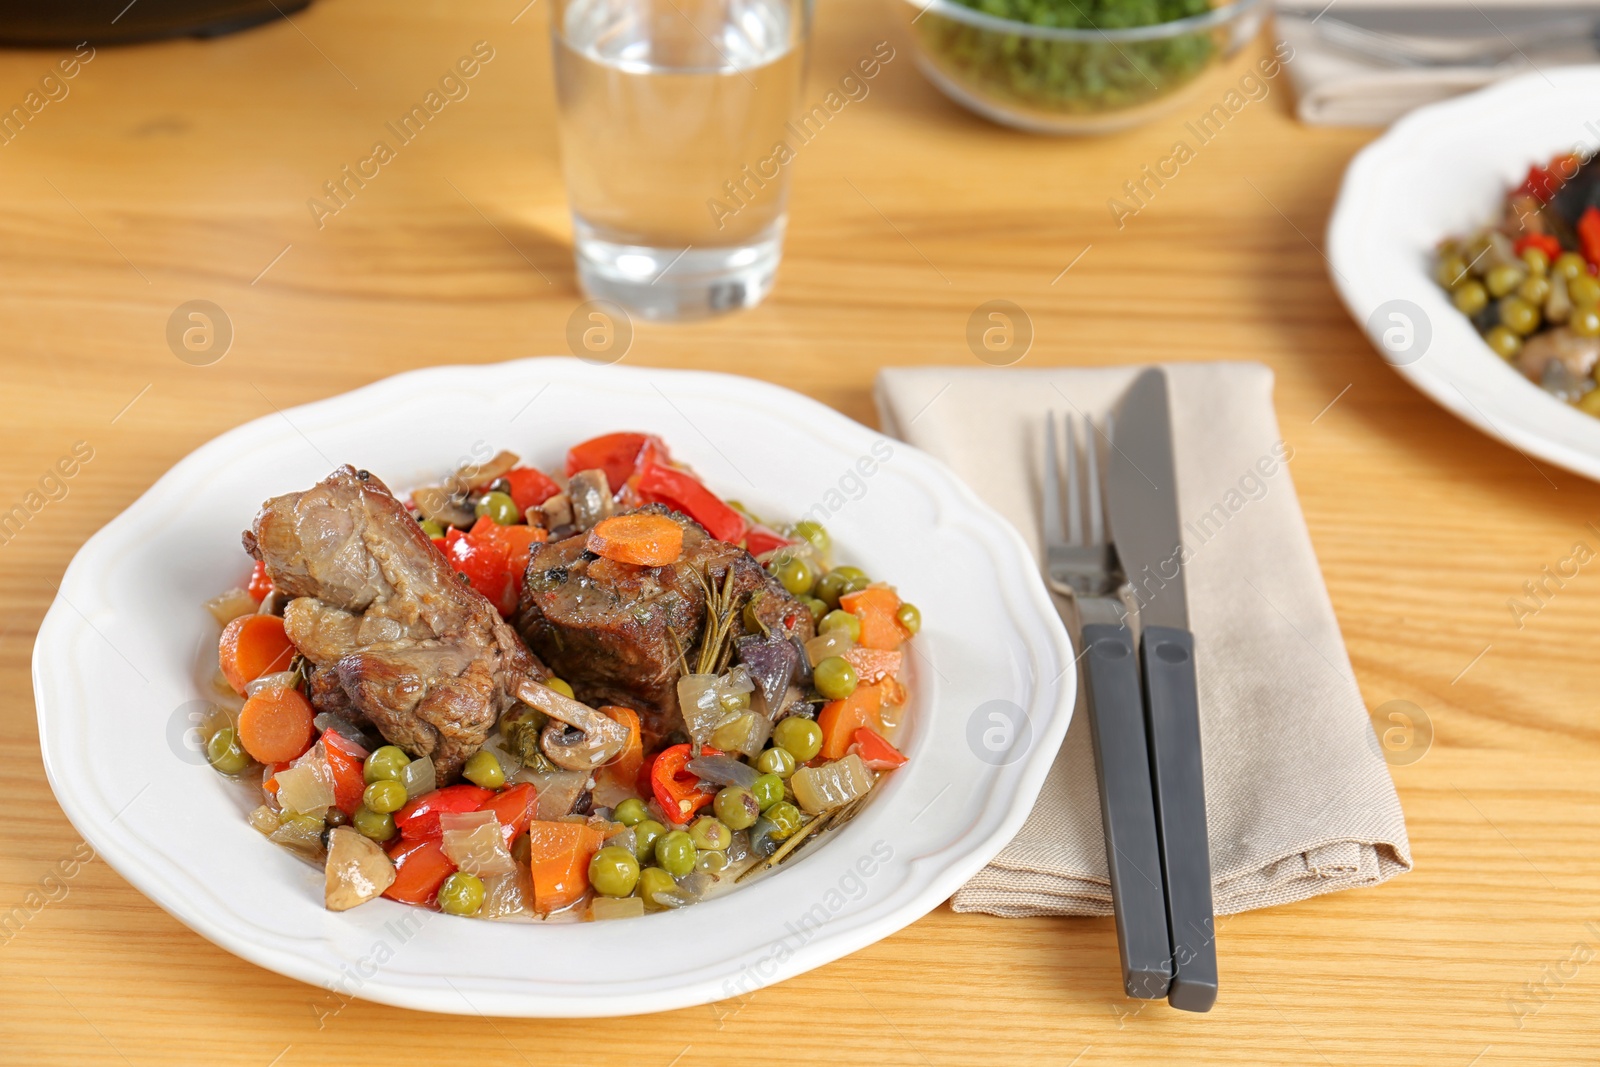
{"points": [[181, 171]]}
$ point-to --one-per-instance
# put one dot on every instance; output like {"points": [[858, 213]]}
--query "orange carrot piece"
{"points": [[625, 768], [275, 725], [840, 719], [253, 645], [558, 859], [640, 538], [875, 607], [873, 664]]}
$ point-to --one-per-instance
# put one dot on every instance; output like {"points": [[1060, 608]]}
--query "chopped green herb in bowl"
{"points": [[1068, 66]]}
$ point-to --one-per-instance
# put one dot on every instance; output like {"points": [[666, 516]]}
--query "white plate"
{"points": [[121, 652], [1442, 171]]}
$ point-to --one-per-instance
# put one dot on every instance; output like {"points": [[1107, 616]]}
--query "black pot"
{"points": [[65, 23]]}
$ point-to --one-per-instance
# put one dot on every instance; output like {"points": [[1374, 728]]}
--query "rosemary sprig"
{"points": [[721, 610]]}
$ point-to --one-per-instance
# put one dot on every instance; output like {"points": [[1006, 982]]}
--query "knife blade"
{"points": [[1142, 502]]}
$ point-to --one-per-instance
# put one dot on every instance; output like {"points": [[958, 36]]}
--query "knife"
{"points": [[1142, 500]]}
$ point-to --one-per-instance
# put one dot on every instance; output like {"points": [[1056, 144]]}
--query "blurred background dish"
{"points": [[1059, 66], [117, 21]]}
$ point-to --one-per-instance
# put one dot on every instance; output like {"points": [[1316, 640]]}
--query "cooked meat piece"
{"points": [[615, 631], [394, 633]]}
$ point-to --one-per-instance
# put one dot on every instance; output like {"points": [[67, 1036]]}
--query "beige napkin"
{"points": [[1338, 87], [1298, 796]]}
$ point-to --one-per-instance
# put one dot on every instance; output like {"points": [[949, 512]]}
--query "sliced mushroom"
{"points": [[598, 741], [557, 512], [590, 492], [442, 506], [481, 475], [1558, 356], [357, 870]]}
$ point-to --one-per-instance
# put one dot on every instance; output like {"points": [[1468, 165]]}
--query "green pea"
{"points": [[376, 825], [1535, 291], [834, 678], [815, 533], [1505, 342], [1519, 315], [226, 754], [736, 807], [841, 620], [631, 812], [645, 834], [733, 734], [909, 618], [784, 817], [614, 871], [852, 574], [795, 573], [709, 833], [830, 587], [778, 761], [1584, 290], [798, 736], [734, 701], [1502, 279], [768, 790], [499, 507], [1470, 297], [657, 887], [560, 686], [484, 769], [818, 608], [1570, 264], [1585, 322], [386, 764], [432, 529], [461, 894], [1450, 271], [1535, 259], [675, 853], [711, 860], [384, 797]]}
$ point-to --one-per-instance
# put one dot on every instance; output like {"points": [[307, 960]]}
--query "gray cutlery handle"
{"points": [[1127, 808], [1173, 709]]}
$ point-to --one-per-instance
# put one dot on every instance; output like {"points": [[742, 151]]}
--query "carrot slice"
{"points": [[840, 719], [253, 645], [640, 538], [875, 607], [625, 768], [558, 859], [275, 725]]}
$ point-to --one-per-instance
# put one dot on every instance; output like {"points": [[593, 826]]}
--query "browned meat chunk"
{"points": [[615, 632], [394, 633]]}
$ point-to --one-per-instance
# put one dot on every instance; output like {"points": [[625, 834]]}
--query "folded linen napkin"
{"points": [[1298, 796], [1337, 85]]}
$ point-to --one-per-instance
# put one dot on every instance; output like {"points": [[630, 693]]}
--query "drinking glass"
{"points": [[674, 122]]}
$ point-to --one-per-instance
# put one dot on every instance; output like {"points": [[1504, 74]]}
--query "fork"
{"points": [[1081, 564]]}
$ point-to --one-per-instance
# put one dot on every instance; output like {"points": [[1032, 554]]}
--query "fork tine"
{"points": [[1091, 463], [1052, 485], [1074, 494]]}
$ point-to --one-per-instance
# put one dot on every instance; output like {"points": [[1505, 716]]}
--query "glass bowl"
{"points": [[1048, 79]]}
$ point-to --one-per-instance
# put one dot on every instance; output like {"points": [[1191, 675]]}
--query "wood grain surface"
{"points": [[181, 171]]}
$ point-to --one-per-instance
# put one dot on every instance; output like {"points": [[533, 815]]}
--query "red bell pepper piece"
{"points": [[514, 808], [530, 487], [1544, 242], [346, 760], [419, 819], [1589, 235], [1542, 183], [420, 868], [677, 789], [618, 454], [682, 491], [260, 585], [876, 752], [760, 539]]}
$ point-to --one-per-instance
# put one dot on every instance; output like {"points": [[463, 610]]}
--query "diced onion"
{"points": [[474, 842], [701, 706], [307, 788], [418, 777], [507, 895], [264, 820], [696, 883], [723, 770], [602, 908], [832, 643], [231, 605], [279, 680], [557, 792], [832, 785]]}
